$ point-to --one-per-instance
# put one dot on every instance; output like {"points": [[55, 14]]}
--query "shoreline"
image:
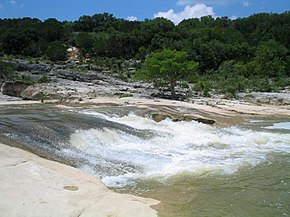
{"points": [[217, 106], [208, 105]]}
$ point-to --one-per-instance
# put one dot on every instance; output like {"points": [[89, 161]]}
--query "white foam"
{"points": [[178, 147]]}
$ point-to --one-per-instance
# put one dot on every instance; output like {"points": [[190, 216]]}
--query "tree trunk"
{"points": [[172, 89]]}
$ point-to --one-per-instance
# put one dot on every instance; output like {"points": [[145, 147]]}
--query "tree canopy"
{"points": [[255, 46], [166, 67]]}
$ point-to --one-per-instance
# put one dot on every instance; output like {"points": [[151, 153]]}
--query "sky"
{"points": [[174, 10]]}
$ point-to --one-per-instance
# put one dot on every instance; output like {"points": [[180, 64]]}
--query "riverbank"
{"points": [[209, 105], [33, 186]]}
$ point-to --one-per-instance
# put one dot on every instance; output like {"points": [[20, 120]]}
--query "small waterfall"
{"points": [[125, 147], [175, 147]]}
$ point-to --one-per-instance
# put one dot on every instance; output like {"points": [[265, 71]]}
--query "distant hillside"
{"points": [[227, 51]]}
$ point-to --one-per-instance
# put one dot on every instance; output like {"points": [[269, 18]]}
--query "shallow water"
{"points": [[193, 168], [259, 191]]}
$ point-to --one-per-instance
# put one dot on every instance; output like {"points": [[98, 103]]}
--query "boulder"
{"points": [[160, 116], [34, 93], [131, 71], [31, 93], [286, 101], [157, 117], [13, 88]]}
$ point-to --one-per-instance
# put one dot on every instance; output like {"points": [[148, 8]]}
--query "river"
{"points": [[192, 168]]}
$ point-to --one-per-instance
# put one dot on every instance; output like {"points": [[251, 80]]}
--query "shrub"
{"points": [[6, 70], [56, 52], [26, 79], [43, 79]]}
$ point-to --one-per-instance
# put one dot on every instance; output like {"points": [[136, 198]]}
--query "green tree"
{"points": [[51, 30], [56, 52], [122, 45], [85, 41], [271, 59], [166, 67], [100, 43], [96, 23], [14, 42]]}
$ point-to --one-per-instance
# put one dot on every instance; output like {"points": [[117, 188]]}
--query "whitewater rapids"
{"points": [[165, 149]]}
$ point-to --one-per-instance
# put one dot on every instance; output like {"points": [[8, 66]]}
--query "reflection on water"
{"points": [[194, 169]]}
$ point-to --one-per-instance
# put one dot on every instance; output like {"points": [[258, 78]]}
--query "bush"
{"points": [[205, 88], [33, 50], [6, 70], [25, 78], [56, 52], [260, 84], [43, 79]]}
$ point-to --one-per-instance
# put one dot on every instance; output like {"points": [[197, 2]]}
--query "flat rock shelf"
{"points": [[32, 186]]}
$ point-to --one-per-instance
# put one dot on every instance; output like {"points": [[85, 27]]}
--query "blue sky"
{"points": [[175, 10]]}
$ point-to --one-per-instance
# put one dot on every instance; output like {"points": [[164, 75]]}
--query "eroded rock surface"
{"points": [[31, 186], [13, 88]]}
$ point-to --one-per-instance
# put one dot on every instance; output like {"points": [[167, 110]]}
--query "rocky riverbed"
{"points": [[76, 83], [67, 84]]}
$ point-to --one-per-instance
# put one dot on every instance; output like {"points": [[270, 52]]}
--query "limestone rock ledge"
{"points": [[31, 186]]}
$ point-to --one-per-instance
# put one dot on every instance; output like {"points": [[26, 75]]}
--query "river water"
{"points": [[193, 168]]}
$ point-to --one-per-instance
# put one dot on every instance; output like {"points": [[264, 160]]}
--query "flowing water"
{"points": [[193, 168]]}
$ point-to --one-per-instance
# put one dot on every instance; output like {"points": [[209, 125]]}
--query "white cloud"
{"points": [[246, 3], [132, 18], [195, 11], [234, 17], [13, 2]]}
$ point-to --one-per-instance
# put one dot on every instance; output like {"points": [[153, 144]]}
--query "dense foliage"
{"points": [[6, 71], [232, 55]]}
